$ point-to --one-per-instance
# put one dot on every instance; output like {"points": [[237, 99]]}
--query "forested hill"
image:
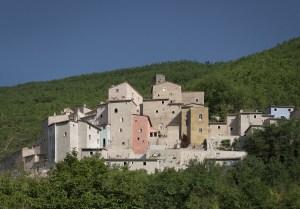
{"points": [[252, 82]]}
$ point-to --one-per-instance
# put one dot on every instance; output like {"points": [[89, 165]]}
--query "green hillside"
{"points": [[253, 82]]}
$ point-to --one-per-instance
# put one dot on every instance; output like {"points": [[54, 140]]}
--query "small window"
{"points": [[156, 111], [158, 95], [123, 143], [65, 134], [275, 109], [151, 134], [140, 130], [231, 129], [173, 112], [200, 130], [104, 142], [163, 102], [197, 100], [121, 130], [219, 127], [90, 137], [116, 110], [138, 138], [144, 163], [117, 90], [254, 116], [101, 116], [91, 153], [289, 110], [155, 134], [200, 116], [122, 119], [125, 163]]}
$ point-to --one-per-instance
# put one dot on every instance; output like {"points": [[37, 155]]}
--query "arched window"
{"points": [[116, 110]]}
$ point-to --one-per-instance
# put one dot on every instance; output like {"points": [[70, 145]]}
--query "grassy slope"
{"points": [[269, 77]]}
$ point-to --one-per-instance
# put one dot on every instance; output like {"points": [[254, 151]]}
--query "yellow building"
{"points": [[194, 124]]}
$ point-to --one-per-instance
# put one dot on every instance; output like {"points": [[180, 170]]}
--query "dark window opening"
{"points": [[123, 143], [254, 116], [104, 142], [197, 100], [138, 138], [173, 112], [155, 134], [219, 127], [163, 102], [116, 110], [144, 163], [125, 163], [151, 134], [101, 116], [156, 111], [91, 153]]}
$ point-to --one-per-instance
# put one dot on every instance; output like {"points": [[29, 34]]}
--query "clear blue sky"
{"points": [[42, 40]]}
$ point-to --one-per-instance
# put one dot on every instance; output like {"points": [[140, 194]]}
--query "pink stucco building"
{"points": [[140, 133]]}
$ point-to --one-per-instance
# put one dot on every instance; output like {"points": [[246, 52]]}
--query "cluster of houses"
{"points": [[167, 131]]}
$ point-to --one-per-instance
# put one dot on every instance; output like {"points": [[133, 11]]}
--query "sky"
{"points": [[51, 39]]}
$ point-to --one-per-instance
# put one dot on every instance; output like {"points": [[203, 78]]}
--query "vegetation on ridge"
{"points": [[253, 82]]}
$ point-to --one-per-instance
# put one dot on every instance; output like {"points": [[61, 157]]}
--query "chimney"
{"points": [[160, 78]]}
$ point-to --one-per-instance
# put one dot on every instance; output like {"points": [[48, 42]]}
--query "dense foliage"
{"points": [[253, 82], [268, 179]]}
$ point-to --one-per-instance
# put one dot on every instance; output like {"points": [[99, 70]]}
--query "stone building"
{"points": [[141, 128], [280, 111], [194, 124], [124, 91]]}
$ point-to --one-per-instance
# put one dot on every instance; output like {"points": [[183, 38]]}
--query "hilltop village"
{"points": [[167, 131]]}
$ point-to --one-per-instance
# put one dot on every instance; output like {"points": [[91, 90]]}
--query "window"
{"points": [[65, 134], [91, 153], [90, 137], [231, 129], [125, 163], [104, 142], [120, 129], [155, 134], [144, 163], [254, 116], [156, 111], [163, 102], [138, 138], [275, 109], [122, 119], [289, 110], [197, 100], [123, 143], [151, 134], [117, 90], [200, 116], [116, 110], [219, 127], [173, 112], [200, 130], [101, 116], [158, 95], [140, 130]]}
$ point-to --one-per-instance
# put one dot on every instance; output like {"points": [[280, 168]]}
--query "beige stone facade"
{"points": [[194, 125], [196, 97], [124, 91]]}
